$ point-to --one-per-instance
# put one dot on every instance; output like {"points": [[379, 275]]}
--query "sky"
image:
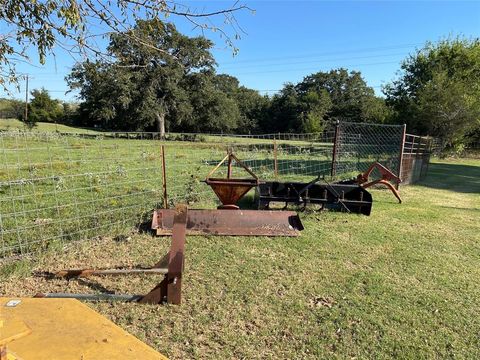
{"points": [[284, 41]]}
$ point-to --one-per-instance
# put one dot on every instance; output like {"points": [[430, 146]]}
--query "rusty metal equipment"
{"points": [[170, 266], [387, 176], [231, 222], [334, 196], [230, 190]]}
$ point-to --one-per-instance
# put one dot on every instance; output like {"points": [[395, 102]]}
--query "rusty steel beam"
{"points": [[170, 289], [231, 222], [176, 256]]}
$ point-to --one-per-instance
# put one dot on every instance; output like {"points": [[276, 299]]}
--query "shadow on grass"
{"points": [[454, 177]]}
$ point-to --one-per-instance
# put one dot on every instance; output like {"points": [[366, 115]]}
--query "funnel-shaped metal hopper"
{"points": [[229, 190]]}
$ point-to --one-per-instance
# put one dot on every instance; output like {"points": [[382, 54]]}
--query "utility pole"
{"points": [[26, 101]]}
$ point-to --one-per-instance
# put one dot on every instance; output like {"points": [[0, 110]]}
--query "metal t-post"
{"points": [[400, 156], [334, 151]]}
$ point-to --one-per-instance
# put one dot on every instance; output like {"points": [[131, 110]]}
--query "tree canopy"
{"points": [[438, 90], [75, 26], [325, 96], [168, 81], [142, 87]]}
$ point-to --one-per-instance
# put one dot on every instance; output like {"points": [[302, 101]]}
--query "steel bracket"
{"points": [[169, 290]]}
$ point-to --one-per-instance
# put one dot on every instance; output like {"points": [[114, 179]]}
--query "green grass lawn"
{"points": [[402, 283], [299, 139]]}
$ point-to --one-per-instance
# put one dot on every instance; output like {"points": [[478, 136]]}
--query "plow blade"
{"points": [[231, 222]]}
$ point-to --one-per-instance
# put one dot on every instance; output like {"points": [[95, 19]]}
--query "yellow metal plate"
{"points": [[66, 329]]}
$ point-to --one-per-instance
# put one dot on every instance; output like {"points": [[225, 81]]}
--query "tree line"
{"points": [[173, 86]]}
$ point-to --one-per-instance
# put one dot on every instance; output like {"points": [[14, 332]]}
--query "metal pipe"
{"points": [[92, 272], [229, 168], [91, 297], [334, 153], [400, 159], [275, 163], [164, 179]]}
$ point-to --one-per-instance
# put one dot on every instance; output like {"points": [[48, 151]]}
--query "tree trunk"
{"points": [[161, 125]]}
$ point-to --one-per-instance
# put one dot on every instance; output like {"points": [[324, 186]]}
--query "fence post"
{"points": [[164, 179], [275, 159], [428, 149], [334, 151], [400, 157]]}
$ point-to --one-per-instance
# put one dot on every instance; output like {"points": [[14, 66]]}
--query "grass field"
{"points": [[402, 283], [290, 139], [14, 124]]}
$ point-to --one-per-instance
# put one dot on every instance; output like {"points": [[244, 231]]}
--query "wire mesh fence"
{"points": [[358, 145], [269, 156], [57, 188]]}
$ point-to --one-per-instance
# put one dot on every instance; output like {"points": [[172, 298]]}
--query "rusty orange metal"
{"points": [[171, 266], [231, 222], [230, 190], [387, 176]]}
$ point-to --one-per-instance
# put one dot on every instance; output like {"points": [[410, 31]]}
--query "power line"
{"points": [[313, 69], [263, 60], [393, 47], [312, 61]]}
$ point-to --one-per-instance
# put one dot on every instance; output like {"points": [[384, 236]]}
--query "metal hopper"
{"points": [[230, 190]]}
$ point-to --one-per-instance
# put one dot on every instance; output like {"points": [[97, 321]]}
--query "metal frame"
{"points": [[343, 196], [386, 177], [171, 266]]}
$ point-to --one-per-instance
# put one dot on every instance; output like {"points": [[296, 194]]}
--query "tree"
{"points": [[351, 98], [438, 90], [12, 108], [75, 26], [315, 106], [284, 111], [143, 86], [251, 105], [213, 109], [253, 109], [43, 108], [448, 108], [292, 110]]}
